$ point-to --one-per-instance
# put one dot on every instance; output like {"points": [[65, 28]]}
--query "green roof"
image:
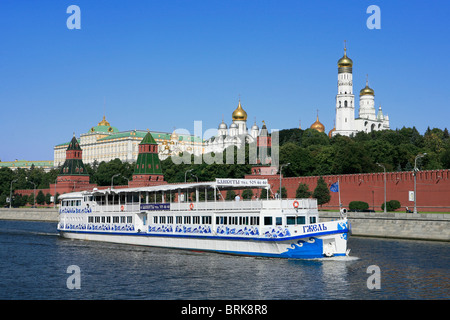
{"points": [[26, 163], [74, 144], [104, 129], [73, 167], [148, 139], [148, 163]]}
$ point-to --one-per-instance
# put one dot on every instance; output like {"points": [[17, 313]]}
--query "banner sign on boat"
{"points": [[155, 206], [241, 182]]}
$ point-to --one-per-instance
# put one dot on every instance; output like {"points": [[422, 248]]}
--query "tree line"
{"points": [[309, 152]]}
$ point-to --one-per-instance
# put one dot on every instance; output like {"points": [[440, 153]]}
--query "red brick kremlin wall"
{"points": [[433, 189]]}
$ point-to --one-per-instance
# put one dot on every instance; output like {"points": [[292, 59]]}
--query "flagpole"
{"points": [[339, 190]]}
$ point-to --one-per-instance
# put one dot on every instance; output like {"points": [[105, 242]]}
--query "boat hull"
{"points": [[310, 246]]}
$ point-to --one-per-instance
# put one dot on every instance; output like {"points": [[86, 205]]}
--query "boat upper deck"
{"points": [[181, 197]]}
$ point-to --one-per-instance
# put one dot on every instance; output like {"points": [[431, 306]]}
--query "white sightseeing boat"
{"points": [[287, 228]]}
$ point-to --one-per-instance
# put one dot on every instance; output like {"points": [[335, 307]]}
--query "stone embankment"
{"points": [[30, 214], [422, 226]]}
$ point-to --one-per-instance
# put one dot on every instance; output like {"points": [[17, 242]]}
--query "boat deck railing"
{"points": [[244, 205]]}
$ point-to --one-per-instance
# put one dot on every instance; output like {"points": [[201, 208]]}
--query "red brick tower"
{"points": [[73, 175], [147, 171]]}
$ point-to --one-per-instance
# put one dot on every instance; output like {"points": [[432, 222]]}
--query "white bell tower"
{"points": [[345, 100]]}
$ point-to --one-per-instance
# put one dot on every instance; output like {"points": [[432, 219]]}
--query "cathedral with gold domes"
{"points": [[237, 134]]}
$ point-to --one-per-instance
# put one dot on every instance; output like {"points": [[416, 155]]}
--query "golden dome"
{"points": [[239, 113], [104, 122], [345, 61], [318, 126], [367, 91], [174, 136], [330, 134]]}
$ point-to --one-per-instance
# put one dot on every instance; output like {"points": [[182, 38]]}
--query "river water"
{"points": [[34, 262]]}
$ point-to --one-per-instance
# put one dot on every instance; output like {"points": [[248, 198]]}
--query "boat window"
{"points": [[278, 221], [312, 219], [162, 219], [122, 219], [90, 219], [97, 219], [170, 219], [155, 219], [187, 220], [179, 219], [206, 220], [108, 219], [103, 219], [115, 219], [290, 220], [196, 220], [267, 221], [300, 220]]}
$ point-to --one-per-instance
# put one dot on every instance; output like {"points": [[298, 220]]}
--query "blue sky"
{"points": [[164, 64]]}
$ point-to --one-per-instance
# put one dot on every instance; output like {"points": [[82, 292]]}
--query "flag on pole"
{"points": [[334, 187]]}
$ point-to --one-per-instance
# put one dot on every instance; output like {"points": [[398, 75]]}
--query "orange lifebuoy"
{"points": [[122, 208], [295, 204], [191, 206]]}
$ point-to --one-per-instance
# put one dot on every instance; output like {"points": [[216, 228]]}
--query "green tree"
{"points": [[48, 198], [40, 198], [321, 192], [299, 159], [303, 191], [106, 170], [283, 193], [247, 194], [30, 199], [230, 195]]}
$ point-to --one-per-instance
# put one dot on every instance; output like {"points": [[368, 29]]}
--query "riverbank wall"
{"points": [[423, 226], [30, 214]]}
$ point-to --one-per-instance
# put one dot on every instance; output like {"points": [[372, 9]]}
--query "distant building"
{"points": [[105, 143], [47, 165], [368, 120], [237, 134]]}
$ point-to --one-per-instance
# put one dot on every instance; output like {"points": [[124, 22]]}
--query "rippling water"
{"points": [[34, 261]]}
